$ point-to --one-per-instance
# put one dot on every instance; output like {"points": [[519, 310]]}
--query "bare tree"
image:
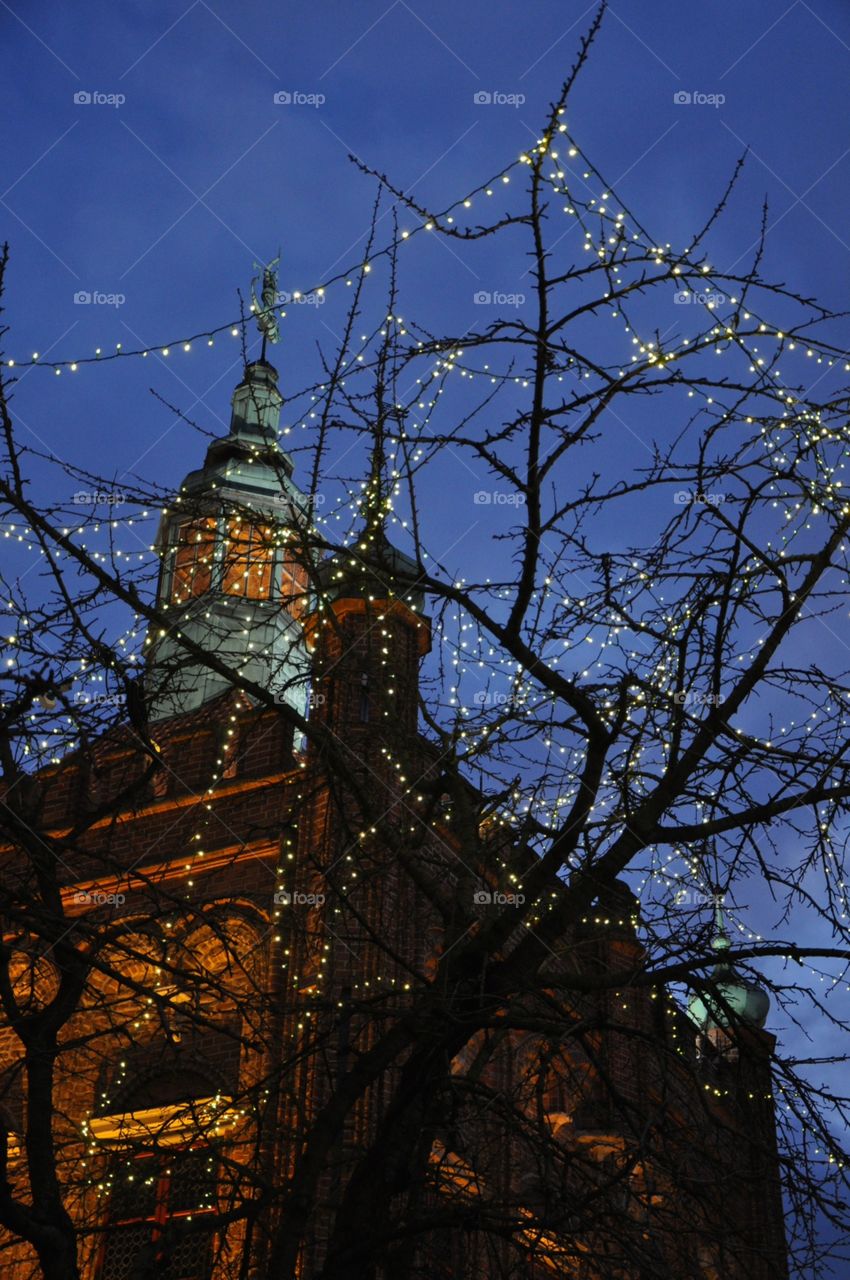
{"points": [[467, 1052]]}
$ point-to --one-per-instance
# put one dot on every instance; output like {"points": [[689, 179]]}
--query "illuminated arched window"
{"points": [[193, 559], [248, 555], [163, 1181]]}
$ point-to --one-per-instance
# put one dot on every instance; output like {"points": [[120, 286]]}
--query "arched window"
{"points": [[248, 556], [162, 1181], [193, 559]]}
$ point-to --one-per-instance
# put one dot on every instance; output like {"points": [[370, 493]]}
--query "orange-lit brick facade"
{"points": [[245, 969]]}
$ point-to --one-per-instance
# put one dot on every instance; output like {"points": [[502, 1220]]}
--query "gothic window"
{"points": [[152, 1195], [193, 559], [248, 559], [363, 709]]}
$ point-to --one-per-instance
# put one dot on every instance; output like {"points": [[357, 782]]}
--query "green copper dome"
{"points": [[736, 998]]}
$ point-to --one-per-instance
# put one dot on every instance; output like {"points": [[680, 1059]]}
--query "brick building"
{"points": [[253, 945]]}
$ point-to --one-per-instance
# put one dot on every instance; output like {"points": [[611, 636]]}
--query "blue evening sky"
{"points": [[147, 163]]}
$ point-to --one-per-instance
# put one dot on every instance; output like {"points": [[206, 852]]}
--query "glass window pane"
{"points": [[188, 1259], [248, 560], [193, 559], [193, 1181], [134, 1191], [125, 1253]]}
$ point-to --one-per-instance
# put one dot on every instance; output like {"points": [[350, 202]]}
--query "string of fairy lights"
{"points": [[817, 349], [614, 247]]}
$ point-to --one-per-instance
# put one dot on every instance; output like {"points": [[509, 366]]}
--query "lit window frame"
{"points": [[248, 559], [191, 573], [150, 1133]]}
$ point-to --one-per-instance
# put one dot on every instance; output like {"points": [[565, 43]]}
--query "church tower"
{"points": [[736, 1051], [231, 580]]}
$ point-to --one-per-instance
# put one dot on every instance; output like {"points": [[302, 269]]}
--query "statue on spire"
{"points": [[264, 307]]}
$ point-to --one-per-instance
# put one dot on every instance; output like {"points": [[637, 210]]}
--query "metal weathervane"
{"points": [[264, 307]]}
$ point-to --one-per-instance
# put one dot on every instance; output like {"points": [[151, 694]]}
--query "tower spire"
{"points": [[376, 501], [230, 577], [746, 1001], [720, 941]]}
